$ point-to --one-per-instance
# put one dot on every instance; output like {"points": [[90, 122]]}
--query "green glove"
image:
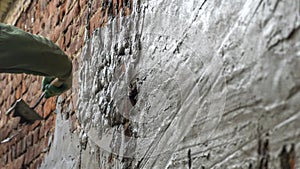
{"points": [[51, 90]]}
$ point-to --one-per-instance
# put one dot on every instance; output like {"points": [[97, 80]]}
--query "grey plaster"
{"points": [[190, 84]]}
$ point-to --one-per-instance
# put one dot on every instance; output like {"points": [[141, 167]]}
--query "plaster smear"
{"points": [[191, 84]]}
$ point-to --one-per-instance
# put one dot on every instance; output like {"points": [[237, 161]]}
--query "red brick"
{"points": [[1, 100], [55, 33], [13, 152], [42, 130], [4, 134], [96, 5], [62, 12], [70, 17], [83, 3], [68, 5], [39, 161], [76, 44], [5, 159], [18, 163], [60, 42], [97, 20], [50, 122], [29, 155], [49, 106], [17, 80], [29, 140], [13, 123], [25, 84], [18, 93], [1, 162], [36, 163], [56, 3], [75, 27], [9, 157], [36, 135], [33, 127], [6, 91], [45, 141], [38, 148], [19, 148], [24, 132], [36, 88], [24, 145], [68, 36]]}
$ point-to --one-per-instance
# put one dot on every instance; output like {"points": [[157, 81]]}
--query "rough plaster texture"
{"points": [[188, 84]]}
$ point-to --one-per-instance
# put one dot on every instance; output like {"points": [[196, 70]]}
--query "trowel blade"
{"points": [[27, 114]]}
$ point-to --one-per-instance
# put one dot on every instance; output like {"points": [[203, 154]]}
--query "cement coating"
{"points": [[188, 84]]}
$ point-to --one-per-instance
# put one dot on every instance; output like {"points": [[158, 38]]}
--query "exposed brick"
{"points": [[97, 20], [35, 88], [1, 162], [82, 3], [36, 135], [13, 152], [76, 44], [9, 157], [50, 122], [4, 118], [33, 126], [29, 155], [24, 132], [17, 80], [24, 146], [19, 162], [55, 33], [4, 133], [39, 161], [29, 140], [49, 106], [96, 5], [13, 124], [69, 18], [63, 21], [18, 93], [69, 5], [25, 84], [61, 41], [36, 163], [5, 159], [7, 90], [68, 37], [37, 150], [19, 148], [42, 130], [62, 12]]}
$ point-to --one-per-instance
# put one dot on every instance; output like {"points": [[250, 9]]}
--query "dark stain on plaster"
{"points": [[133, 93], [190, 158]]}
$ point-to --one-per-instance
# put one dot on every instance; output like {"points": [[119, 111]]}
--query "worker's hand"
{"points": [[52, 90]]}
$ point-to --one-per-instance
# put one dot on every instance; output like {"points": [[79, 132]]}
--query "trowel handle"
{"points": [[56, 82]]}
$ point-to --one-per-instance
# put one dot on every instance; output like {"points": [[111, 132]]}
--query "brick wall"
{"points": [[201, 84], [65, 23]]}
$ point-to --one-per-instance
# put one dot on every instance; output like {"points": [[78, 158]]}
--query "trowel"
{"points": [[26, 113]]}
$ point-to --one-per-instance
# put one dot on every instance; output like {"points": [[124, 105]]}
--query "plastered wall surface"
{"points": [[191, 84], [171, 84]]}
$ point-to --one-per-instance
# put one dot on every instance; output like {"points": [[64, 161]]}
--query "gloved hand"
{"points": [[52, 90]]}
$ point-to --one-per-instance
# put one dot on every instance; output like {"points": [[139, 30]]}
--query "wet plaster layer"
{"points": [[191, 84]]}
